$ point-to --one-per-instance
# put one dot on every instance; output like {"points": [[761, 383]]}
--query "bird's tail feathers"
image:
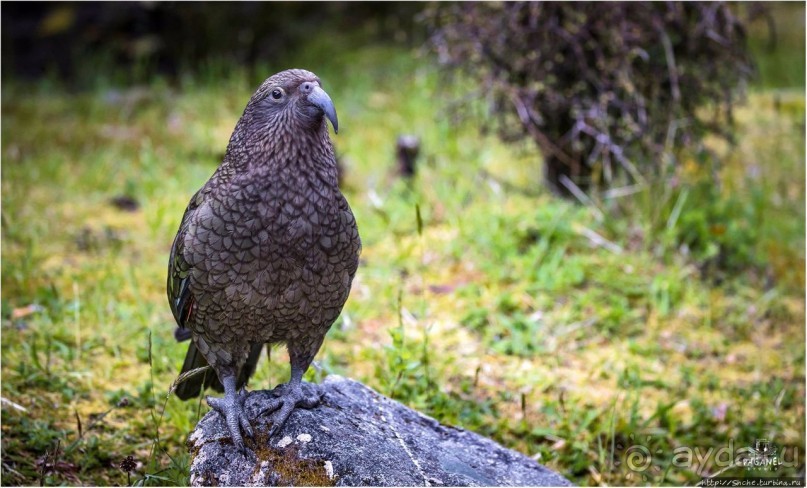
{"points": [[195, 385]]}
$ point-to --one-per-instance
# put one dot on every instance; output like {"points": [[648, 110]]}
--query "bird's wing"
{"points": [[355, 240], [179, 270]]}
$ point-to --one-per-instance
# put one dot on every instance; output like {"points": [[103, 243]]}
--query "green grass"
{"points": [[481, 300]]}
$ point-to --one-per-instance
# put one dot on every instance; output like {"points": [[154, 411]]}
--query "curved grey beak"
{"points": [[321, 99]]}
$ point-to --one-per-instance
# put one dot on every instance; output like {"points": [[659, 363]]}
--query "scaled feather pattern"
{"points": [[267, 249]]}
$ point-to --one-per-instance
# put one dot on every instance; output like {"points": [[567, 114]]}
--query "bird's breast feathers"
{"points": [[235, 235]]}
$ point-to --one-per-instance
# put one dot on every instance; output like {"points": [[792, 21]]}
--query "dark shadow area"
{"points": [[142, 39]]}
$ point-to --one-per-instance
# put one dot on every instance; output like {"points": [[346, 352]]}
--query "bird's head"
{"points": [[293, 99]]}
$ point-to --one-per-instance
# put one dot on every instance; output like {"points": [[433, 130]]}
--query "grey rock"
{"points": [[356, 437]]}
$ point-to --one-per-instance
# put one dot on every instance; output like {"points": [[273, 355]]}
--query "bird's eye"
{"points": [[277, 93]]}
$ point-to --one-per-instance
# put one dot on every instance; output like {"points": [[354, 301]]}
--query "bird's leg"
{"points": [[293, 394], [231, 407]]}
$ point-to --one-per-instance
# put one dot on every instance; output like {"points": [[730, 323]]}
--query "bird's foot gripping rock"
{"points": [[288, 397], [231, 407]]}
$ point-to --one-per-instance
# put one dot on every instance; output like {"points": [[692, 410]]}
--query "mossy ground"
{"points": [[481, 299]]}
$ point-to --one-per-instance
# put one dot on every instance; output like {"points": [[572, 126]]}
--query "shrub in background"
{"points": [[601, 88]]}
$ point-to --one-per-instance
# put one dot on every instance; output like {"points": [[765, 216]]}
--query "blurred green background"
{"points": [[575, 334]]}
